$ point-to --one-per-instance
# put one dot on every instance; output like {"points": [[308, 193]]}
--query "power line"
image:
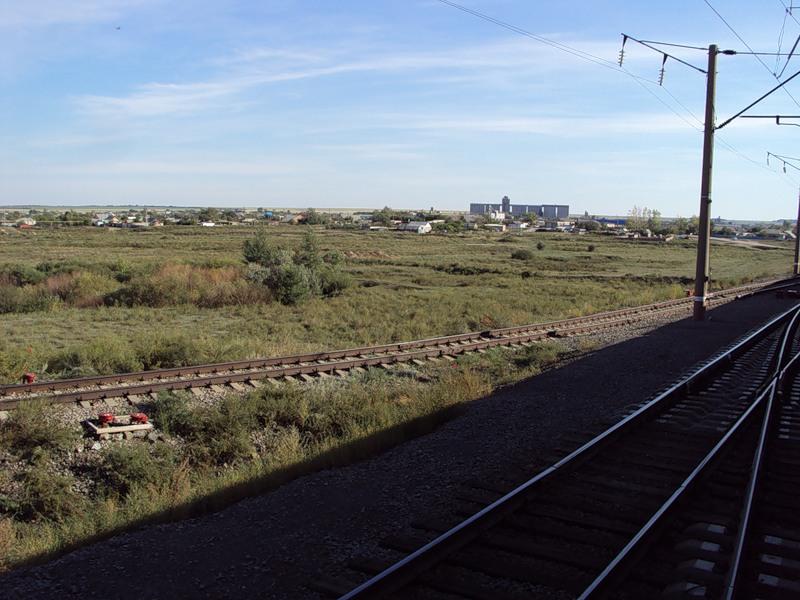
{"points": [[788, 10], [674, 45], [608, 64], [780, 40], [788, 58], [570, 50], [558, 45], [741, 39], [752, 104], [626, 37]]}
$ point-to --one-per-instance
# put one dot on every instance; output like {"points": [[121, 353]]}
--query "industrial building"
{"points": [[545, 211]]}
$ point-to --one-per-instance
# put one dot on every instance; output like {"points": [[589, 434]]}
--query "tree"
{"points": [[636, 219], [308, 253], [208, 214], [315, 218], [654, 221], [260, 250]]}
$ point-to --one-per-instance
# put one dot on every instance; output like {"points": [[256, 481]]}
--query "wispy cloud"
{"points": [[249, 69]]}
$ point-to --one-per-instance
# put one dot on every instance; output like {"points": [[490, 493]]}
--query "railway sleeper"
{"points": [[503, 565]]}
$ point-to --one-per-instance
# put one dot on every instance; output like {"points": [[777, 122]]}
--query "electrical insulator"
{"points": [[661, 72], [622, 50]]}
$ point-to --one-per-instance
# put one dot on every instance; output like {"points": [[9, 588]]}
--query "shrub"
{"points": [[80, 288], [540, 245], [20, 275], [31, 429], [333, 258], [128, 466], [101, 356], [308, 253], [537, 356], [171, 413], [261, 250], [293, 278], [522, 254], [333, 282], [525, 274], [48, 495], [291, 284], [220, 434], [26, 299], [160, 351], [590, 248], [175, 284]]}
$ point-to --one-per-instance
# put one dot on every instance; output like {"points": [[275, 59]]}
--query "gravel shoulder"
{"points": [[274, 545]]}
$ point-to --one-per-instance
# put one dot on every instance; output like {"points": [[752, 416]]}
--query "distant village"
{"points": [[503, 216]]}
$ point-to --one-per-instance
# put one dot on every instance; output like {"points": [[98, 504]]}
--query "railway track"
{"points": [[339, 362], [693, 494]]}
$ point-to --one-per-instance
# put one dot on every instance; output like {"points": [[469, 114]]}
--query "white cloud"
{"points": [[249, 69]]}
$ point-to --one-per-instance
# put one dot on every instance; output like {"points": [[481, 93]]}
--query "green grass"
{"points": [[404, 286]]}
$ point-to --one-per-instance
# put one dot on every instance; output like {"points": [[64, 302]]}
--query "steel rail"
{"points": [[784, 367], [770, 288], [293, 369], [552, 328], [310, 357], [401, 573], [610, 575]]}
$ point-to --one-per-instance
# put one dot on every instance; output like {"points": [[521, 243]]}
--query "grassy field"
{"points": [[59, 490], [405, 286]]}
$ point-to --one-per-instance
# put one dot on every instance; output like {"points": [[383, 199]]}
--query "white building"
{"points": [[416, 226]]}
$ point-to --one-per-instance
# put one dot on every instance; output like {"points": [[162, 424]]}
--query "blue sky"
{"points": [[406, 103]]}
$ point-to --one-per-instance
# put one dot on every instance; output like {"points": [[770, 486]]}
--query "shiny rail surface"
{"points": [[581, 526]]}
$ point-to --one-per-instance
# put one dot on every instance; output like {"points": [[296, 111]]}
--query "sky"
{"points": [[401, 103]]}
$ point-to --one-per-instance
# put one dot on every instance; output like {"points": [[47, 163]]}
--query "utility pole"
{"points": [[796, 268], [704, 229]]}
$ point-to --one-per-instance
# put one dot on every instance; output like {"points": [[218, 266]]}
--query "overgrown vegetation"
{"points": [[209, 449], [200, 305], [293, 277]]}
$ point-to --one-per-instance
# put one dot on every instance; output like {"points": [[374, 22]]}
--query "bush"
{"points": [[291, 284], [31, 429], [537, 356], [128, 466], [522, 254], [26, 299], [220, 434], [293, 278], [590, 248], [261, 250], [80, 288], [101, 356], [540, 245], [48, 495], [20, 275], [333, 258], [171, 413], [175, 284], [525, 274], [333, 282], [161, 351]]}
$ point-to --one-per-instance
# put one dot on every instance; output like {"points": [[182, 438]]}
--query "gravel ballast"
{"points": [[274, 545]]}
